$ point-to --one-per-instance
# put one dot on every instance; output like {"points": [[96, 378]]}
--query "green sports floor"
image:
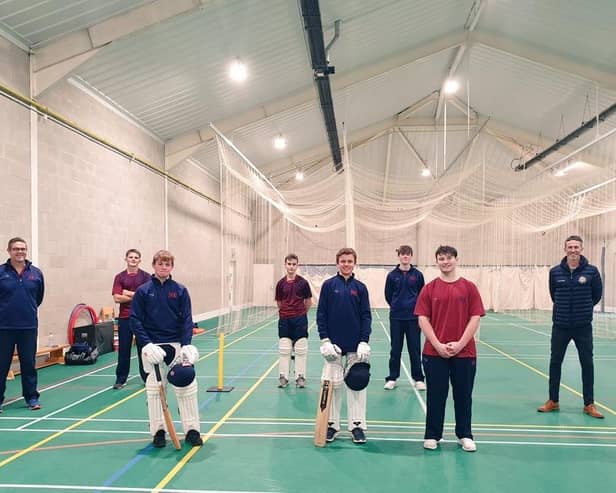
{"points": [[258, 438]]}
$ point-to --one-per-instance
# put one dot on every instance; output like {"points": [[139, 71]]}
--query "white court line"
{"points": [[408, 375], [64, 382], [63, 487]]}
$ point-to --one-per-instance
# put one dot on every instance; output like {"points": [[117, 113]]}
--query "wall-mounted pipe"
{"points": [[42, 110]]}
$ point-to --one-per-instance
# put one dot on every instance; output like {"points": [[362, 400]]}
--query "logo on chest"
{"points": [[172, 295], [582, 280]]}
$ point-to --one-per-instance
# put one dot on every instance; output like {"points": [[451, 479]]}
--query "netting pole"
{"points": [[220, 387]]}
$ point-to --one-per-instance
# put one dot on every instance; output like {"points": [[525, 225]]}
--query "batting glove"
{"points": [[154, 354], [189, 353], [363, 352]]}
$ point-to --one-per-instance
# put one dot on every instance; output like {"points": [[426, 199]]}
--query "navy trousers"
{"points": [[125, 344], [439, 372], [583, 342], [25, 340], [399, 329]]}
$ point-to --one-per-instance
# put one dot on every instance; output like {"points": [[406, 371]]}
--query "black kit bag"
{"points": [[81, 353]]}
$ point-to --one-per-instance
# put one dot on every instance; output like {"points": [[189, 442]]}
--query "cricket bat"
{"points": [[166, 413], [322, 421]]}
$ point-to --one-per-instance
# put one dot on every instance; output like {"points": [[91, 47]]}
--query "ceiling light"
{"points": [[426, 172], [238, 71], [280, 142], [299, 175], [560, 172], [451, 86]]}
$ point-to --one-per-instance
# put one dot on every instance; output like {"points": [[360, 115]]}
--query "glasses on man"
{"points": [[19, 249]]}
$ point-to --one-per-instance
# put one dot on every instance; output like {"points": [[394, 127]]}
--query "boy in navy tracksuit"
{"points": [[402, 288], [344, 323], [21, 292], [575, 288]]}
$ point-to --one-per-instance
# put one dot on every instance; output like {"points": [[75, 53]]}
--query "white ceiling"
{"points": [[534, 70]]}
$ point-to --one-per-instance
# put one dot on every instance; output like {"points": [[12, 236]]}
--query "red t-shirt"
{"points": [[130, 281], [291, 294], [449, 306]]}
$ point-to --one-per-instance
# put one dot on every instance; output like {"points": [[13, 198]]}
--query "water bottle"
{"points": [[50, 340]]}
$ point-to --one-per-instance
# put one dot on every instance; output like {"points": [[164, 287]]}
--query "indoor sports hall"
{"points": [[235, 132]]}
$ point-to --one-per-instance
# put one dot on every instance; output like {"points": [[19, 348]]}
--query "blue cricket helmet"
{"points": [[181, 375], [357, 375]]}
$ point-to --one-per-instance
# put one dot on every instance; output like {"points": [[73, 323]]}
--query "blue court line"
{"points": [[149, 448]]}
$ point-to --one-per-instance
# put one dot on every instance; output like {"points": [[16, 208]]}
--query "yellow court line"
{"points": [[539, 372], [102, 411], [68, 428], [171, 474]]}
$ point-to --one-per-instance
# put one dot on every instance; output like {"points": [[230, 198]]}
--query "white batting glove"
{"points": [[154, 354], [329, 351], [189, 353], [363, 352]]}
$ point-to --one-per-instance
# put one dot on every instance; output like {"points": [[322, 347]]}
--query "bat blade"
{"points": [[166, 413], [322, 420]]}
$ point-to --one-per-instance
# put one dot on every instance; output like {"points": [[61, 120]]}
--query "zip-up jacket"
{"points": [[574, 293], [161, 312], [343, 315], [20, 296], [401, 291]]}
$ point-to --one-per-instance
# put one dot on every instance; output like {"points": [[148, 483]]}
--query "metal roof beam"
{"points": [[604, 79], [55, 60]]}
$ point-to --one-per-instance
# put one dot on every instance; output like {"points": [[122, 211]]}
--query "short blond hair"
{"points": [[163, 255]]}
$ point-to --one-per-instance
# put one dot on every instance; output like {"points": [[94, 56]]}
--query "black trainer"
{"points": [[358, 435], [332, 433], [193, 437], [159, 439]]}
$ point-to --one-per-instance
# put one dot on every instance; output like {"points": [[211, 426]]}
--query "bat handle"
{"points": [[157, 371]]}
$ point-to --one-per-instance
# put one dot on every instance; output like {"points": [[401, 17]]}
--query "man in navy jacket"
{"points": [[22, 288], [344, 323], [575, 288]]}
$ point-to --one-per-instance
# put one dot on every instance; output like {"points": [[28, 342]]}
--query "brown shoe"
{"points": [[549, 406], [591, 410]]}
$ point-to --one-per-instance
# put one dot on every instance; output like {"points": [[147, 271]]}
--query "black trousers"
{"points": [[125, 343], [582, 337], [439, 372], [25, 340], [399, 329]]}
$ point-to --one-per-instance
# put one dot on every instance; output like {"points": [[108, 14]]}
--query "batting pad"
{"points": [[285, 345], [333, 372], [356, 408], [335, 407], [155, 407], [301, 353], [189, 406]]}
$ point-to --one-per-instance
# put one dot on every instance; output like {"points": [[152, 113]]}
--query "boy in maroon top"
{"points": [[449, 309], [294, 299], [124, 286]]}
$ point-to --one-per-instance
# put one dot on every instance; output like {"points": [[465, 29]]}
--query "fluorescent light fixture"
{"points": [[451, 86], [569, 167], [238, 71], [299, 175], [280, 142], [426, 172]]}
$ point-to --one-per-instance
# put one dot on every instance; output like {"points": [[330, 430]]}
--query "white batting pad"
{"points": [[285, 345], [356, 408], [155, 408], [189, 406], [301, 353]]}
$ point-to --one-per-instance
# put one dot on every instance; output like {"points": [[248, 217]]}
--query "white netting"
{"points": [[508, 226]]}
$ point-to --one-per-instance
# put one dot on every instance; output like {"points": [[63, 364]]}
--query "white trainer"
{"points": [[468, 445], [430, 444], [390, 385], [420, 385]]}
